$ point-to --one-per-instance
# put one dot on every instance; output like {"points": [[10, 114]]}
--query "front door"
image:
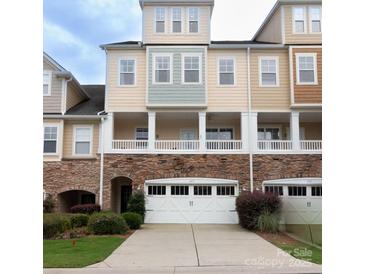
{"points": [[125, 193]]}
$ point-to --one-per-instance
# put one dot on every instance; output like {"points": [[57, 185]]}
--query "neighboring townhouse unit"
{"points": [[194, 122]]}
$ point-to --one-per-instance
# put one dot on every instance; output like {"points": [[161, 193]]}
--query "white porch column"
{"points": [[294, 130], [202, 130], [253, 130], [151, 130], [108, 132], [245, 131]]}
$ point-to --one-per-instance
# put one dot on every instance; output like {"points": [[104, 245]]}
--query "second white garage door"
{"points": [[191, 200]]}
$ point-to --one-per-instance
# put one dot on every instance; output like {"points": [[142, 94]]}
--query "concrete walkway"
{"points": [[196, 249]]}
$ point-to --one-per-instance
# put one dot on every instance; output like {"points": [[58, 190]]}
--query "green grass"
{"points": [[303, 252], [87, 251]]}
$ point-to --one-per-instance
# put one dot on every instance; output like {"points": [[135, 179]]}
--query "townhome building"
{"points": [[190, 121]]}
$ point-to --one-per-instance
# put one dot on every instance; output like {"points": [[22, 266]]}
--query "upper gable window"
{"points": [[127, 72], [176, 20], [306, 69], [191, 69], [315, 15], [160, 20], [269, 72], [193, 20], [162, 70], [226, 71], [47, 76], [299, 20]]}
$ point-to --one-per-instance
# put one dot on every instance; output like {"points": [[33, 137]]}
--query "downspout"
{"points": [[101, 182], [65, 96], [250, 144]]}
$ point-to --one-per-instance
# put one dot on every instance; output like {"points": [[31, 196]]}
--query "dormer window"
{"points": [[315, 19], [299, 24], [176, 20], [193, 20], [160, 20]]}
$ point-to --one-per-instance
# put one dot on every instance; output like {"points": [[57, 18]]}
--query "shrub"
{"points": [[48, 205], [133, 220], [268, 222], [78, 220], [107, 223], [85, 209], [137, 203], [54, 224], [250, 206]]}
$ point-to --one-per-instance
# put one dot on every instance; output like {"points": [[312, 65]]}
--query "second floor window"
{"points": [[306, 69], [226, 71], [191, 69], [176, 20], [315, 19], [193, 20], [219, 133], [268, 71], [141, 133], [268, 133], [127, 72], [162, 69], [82, 141], [160, 20], [50, 139], [47, 76], [299, 20]]}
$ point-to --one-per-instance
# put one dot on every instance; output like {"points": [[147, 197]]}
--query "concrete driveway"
{"points": [[196, 249]]}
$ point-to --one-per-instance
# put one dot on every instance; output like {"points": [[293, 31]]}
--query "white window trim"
{"points": [[155, 21], [74, 140], [276, 58], [188, 21], [183, 55], [310, 19], [170, 55], [234, 70], [305, 20], [314, 55], [49, 73], [182, 21], [57, 140], [135, 70]]}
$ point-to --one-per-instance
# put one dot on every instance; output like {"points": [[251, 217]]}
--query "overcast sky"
{"points": [[74, 29]]}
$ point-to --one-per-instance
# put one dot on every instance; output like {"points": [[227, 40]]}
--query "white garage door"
{"points": [[191, 200]]}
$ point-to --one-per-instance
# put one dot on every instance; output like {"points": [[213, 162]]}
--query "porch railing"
{"points": [[275, 145], [177, 145], [224, 145], [130, 144], [311, 145]]}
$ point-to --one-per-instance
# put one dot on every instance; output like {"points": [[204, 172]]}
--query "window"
{"points": [[219, 133], [316, 191], [297, 190], [278, 190], [50, 139], [141, 133], [299, 24], [176, 20], [160, 20], [162, 69], [47, 77], [226, 71], [83, 138], [225, 190], [156, 190], [202, 190], [191, 69], [306, 68], [269, 71], [315, 15], [127, 72], [268, 133], [193, 20], [180, 190]]}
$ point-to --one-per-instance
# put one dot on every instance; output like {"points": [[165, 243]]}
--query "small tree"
{"points": [[137, 203], [48, 204]]}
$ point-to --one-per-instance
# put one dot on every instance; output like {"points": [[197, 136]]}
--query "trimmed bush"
{"points": [[79, 220], [268, 222], [48, 205], [137, 203], [54, 224], [133, 220], [250, 206], [107, 223], [85, 209]]}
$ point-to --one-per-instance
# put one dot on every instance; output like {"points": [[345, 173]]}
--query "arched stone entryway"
{"points": [[70, 198], [121, 189]]}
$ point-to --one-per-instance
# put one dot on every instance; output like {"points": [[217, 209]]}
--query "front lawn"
{"points": [[295, 248], [87, 251]]}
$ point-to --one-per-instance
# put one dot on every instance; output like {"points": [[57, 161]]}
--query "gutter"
{"points": [[81, 117], [249, 115], [247, 46], [101, 179]]}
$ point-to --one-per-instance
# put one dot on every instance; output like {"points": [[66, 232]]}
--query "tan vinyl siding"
{"points": [[126, 99], [293, 38], [227, 98], [270, 98], [73, 96], [53, 103], [150, 37], [68, 138], [125, 129], [168, 129], [312, 131], [272, 31], [308, 94]]}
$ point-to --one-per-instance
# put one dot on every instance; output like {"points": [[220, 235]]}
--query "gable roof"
{"points": [[92, 105]]}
